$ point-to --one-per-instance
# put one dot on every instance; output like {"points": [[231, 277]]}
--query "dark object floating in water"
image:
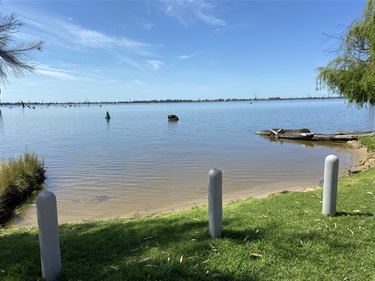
{"points": [[107, 116], [173, 117], [306, 134], [102, 198]]}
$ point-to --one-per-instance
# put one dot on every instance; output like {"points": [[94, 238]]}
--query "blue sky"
{"points": [[175, 49]]}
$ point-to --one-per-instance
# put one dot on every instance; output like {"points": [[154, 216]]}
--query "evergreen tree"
{"points": [[14, 56]]}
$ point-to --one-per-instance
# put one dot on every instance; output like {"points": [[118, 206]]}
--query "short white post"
{"points": [[215, 203], [48, 235], [331, 173]]}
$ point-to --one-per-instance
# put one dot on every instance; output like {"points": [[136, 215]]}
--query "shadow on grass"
{"points": [[177, 247], [19, 257], [148, 249], [247, 233], [359, 214], [155, 249]]}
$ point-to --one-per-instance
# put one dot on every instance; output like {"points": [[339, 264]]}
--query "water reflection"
{"points": [[371, 117], [306, 143], [1, 123], [108, 121], [172, 124]]}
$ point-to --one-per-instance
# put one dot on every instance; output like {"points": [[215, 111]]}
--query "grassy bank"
{"points": [[369, 142], [281, 237], [18, 179]]}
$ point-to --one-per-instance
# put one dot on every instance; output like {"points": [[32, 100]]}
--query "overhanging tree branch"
{"points": [[14, 56], [352, 73]]}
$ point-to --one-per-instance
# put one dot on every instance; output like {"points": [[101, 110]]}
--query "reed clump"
{"points": [[19, 177]]}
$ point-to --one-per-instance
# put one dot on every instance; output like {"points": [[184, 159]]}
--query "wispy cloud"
{"points": [[56, 74], [185, 57], [71, 35], [144, 65], [61, 74], [203, 88], [98, 40], [188, 12], [132, 62], [64, 32], [154, 64], [148, 26]]}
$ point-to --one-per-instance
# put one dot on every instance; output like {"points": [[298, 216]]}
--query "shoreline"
{"points": [[365, 158], [88, 103], [362, 159]]}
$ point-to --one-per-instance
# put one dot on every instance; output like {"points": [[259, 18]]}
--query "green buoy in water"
{"points": [[107, 116]]}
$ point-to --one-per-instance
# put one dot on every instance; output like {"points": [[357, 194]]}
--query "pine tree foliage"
{"points": [[14, 56]]}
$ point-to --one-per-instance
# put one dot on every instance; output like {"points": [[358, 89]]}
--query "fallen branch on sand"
{"points": [[306, 134]]}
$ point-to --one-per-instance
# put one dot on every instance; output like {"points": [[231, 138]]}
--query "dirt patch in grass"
{"points": [[365, 157]]}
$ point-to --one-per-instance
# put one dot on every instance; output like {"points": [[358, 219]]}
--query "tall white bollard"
{"points": [[331, 173], [48, 235], [215, 203]]}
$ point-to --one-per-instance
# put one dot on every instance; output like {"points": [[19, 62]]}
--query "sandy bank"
{"points": [[365, 158]]}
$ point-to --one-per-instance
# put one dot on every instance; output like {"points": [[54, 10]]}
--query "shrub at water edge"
{"points": [[18, 179]]}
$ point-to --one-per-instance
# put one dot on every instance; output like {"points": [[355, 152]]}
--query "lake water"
{"points": [[139, 163]]}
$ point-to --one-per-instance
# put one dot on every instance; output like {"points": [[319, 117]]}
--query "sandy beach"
{"points": [[364, 158]]}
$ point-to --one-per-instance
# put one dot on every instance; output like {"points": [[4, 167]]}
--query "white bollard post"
{"points": [[331, 173], [215, 203], [48, 235]]}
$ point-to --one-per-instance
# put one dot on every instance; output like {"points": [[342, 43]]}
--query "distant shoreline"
{"points": [[27, 104]]}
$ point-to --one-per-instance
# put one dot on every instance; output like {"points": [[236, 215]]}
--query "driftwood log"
{"points": [[306, 134]]}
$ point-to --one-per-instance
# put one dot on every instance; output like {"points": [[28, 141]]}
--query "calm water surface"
{"points": [[139, 163]]}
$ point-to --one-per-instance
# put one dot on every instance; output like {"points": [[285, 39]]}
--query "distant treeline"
{"points": [[30, 104]]}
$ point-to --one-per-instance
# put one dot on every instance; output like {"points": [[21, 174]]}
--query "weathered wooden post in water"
{"points": [[48, 235], [331, 173], [215, 203]]}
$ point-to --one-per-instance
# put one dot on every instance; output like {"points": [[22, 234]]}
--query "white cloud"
{"points": [[148, 26], [188, 12], [66, 75], [185, 57], [56, 74], [132, 62], [64, 32], [98, 40], [154, 64], [150, 65]]}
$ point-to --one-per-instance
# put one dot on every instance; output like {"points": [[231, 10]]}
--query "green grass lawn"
{"points": [[281, 237]]}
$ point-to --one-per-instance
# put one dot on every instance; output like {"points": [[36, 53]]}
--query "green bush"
{"points": [[18, 179]]}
